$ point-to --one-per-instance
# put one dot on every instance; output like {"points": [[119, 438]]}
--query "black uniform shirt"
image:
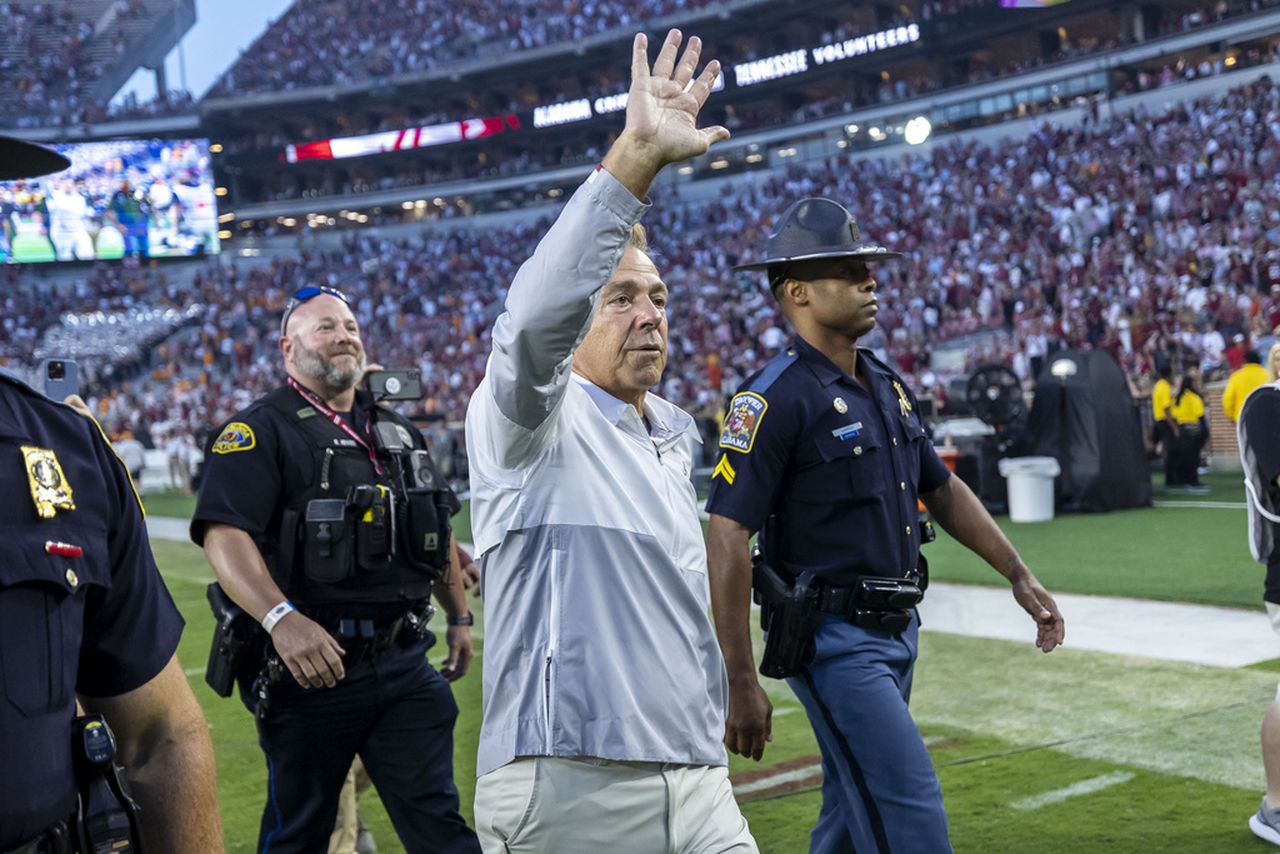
{"points": [[100, 623], [260, 461], [839, 466], [1262, 426]]}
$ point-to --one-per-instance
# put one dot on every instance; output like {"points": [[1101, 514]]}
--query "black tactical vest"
{"points": [[354, 536]]}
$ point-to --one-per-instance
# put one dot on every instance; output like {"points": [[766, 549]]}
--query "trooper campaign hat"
{"points": [[22, 159], [817, 228]]}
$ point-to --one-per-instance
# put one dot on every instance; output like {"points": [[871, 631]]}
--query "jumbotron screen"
{"points": [[142, 198]]}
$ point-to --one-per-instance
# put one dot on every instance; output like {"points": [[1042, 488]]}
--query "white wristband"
{"points": [[276, 614]]}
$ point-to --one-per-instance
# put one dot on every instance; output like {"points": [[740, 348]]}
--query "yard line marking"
{"points": [[785, 710], [1204, 505], [796, 774], [193, 671], [1084, 787], [203, 581]]}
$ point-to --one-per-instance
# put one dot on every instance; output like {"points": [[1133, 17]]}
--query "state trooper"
{"points": [[327, 523], [824, 453]]}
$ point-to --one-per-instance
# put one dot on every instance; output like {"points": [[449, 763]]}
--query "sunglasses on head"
{"points": [[302, 295]]}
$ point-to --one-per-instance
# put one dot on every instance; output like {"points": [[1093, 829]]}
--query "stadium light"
{"points": [[221, 191], [917, 130], [224, 235], [407, 205], [876, 134], [719, 164], [755, 158], [216, 148]]}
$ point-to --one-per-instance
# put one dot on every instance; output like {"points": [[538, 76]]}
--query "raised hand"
{"points": [[663, 104], [662, 112]]}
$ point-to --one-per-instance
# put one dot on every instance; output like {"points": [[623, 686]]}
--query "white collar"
{"points": [[666, 420]]}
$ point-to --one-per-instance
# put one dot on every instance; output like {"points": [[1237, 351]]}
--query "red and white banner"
{"points": [[400, 140]]}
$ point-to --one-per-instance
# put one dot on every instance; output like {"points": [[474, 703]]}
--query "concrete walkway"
{"points": [[1171, 631]]}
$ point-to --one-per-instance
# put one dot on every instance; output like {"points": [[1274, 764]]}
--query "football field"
{"points": [[1075, 751]]}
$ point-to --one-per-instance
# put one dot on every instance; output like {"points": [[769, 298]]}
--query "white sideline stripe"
{"points": [[802, 773], [1204, 505], [193, 671], [1084, 787]]}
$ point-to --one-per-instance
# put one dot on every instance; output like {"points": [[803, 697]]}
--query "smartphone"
{"points": [[60, 377], [395, 385]]}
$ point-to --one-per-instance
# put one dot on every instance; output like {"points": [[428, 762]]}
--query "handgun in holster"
{"points": [[237, 642], [789, 616], [106, 817]]}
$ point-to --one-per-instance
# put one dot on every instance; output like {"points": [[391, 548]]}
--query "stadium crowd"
{"points": [[1154, 237], [433, 167], [323, 42], [45, 69]]}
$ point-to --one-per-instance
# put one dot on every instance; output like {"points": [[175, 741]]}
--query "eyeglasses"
{"points": [[302, 295]]}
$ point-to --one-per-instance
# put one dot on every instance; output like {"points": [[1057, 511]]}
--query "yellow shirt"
{"points": [[1161, 397], [1243, 381], [1189, 410]]}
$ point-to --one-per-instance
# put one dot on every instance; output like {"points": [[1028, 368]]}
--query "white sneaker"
{"points": [[1265, 823]]}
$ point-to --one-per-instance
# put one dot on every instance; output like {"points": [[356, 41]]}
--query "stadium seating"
{"points": [[1137, 235]]}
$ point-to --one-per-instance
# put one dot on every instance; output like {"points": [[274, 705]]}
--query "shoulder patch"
{"points": [[741, 422], [236, 436]]}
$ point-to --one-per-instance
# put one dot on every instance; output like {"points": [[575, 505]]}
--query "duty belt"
{"points": [[365, 639], [873, 603]]}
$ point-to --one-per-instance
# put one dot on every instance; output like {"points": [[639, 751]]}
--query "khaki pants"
{"points": [[542, 804], [345, 829]]}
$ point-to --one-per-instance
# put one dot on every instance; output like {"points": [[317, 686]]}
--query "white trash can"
{"points": [[1030, 487]]}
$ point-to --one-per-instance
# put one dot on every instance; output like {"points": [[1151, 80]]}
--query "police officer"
{"points": [[825, 453], [1258, 437], [326, 521], [84, 613]]}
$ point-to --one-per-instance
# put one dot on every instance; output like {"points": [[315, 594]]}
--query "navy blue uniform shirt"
{"points": [[100, 623], [839, 465]]}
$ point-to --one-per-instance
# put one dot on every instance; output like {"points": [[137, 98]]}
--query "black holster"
{"points": [[237, 646], [789, 615]]}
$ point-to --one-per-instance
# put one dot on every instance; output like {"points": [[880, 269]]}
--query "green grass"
{"points": [[1180, 554], [169, 504], [1013, 722]]}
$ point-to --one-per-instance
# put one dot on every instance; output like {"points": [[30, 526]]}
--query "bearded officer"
{"points": [[326, 521], [824, 452]]}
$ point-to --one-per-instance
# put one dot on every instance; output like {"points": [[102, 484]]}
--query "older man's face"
{"points": [[625, 350], [322, 343]]}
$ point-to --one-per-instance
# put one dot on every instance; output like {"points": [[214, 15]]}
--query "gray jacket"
{"points": [[597, 638]]}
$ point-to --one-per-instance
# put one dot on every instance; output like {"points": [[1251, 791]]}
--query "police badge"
{"points": [[49, 488]]}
